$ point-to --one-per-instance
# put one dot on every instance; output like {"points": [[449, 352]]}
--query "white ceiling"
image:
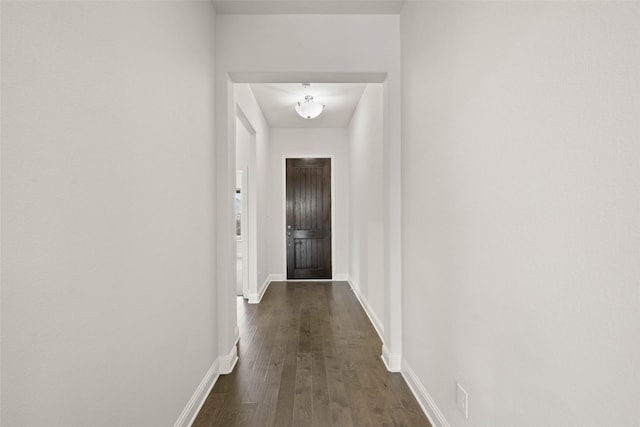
{"points": [[273, 7], [278, 100]]}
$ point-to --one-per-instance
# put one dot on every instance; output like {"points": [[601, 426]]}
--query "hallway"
{"points": [[309, 356], [485, 212]]}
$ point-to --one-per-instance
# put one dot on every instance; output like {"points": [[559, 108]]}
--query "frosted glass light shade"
{"points": [[308, 109]]}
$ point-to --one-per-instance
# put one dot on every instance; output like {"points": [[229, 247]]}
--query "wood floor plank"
{"points": [[338, 401], [266, 412], [309, 356], [286, 392], [321, 410], [358, 402], [304, 344], [303, 400]]}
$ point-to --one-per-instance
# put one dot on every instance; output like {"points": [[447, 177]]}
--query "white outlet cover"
{"points": [[462, 400]]}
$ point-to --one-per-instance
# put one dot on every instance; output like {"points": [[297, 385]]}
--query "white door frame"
{"points": [[250, 266]]}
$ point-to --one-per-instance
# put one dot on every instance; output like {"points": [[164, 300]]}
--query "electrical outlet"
{"points": [[462, 400]]}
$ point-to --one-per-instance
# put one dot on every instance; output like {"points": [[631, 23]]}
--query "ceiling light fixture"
{"points": [[309, 109]]}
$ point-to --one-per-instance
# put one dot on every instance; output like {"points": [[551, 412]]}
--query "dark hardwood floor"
{"points": [[309, 356]]}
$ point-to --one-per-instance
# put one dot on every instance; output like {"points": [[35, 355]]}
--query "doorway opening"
{"points": [[375, 229], [244, 204]]}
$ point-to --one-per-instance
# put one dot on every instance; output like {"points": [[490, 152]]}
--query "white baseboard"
{"points": [[257, 297], [393, 361], [428, 405], [190, 412], [375, 321], [341, 277], [228, 361], [222, 365]]}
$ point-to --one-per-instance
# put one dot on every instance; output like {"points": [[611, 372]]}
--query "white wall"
{"points": [[521, 208], [367, 211], [108, 284], [309, 143], [258, 175], [264, 43], [243, 150]]}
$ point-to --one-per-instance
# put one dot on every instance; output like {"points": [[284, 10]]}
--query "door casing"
{"points": [[249, 203]]}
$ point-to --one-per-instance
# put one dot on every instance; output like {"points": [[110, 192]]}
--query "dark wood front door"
{"points": [[308, 230]]}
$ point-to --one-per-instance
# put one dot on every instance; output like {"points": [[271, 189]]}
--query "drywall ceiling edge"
{"points": [[319, 77], [308, 7]]}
